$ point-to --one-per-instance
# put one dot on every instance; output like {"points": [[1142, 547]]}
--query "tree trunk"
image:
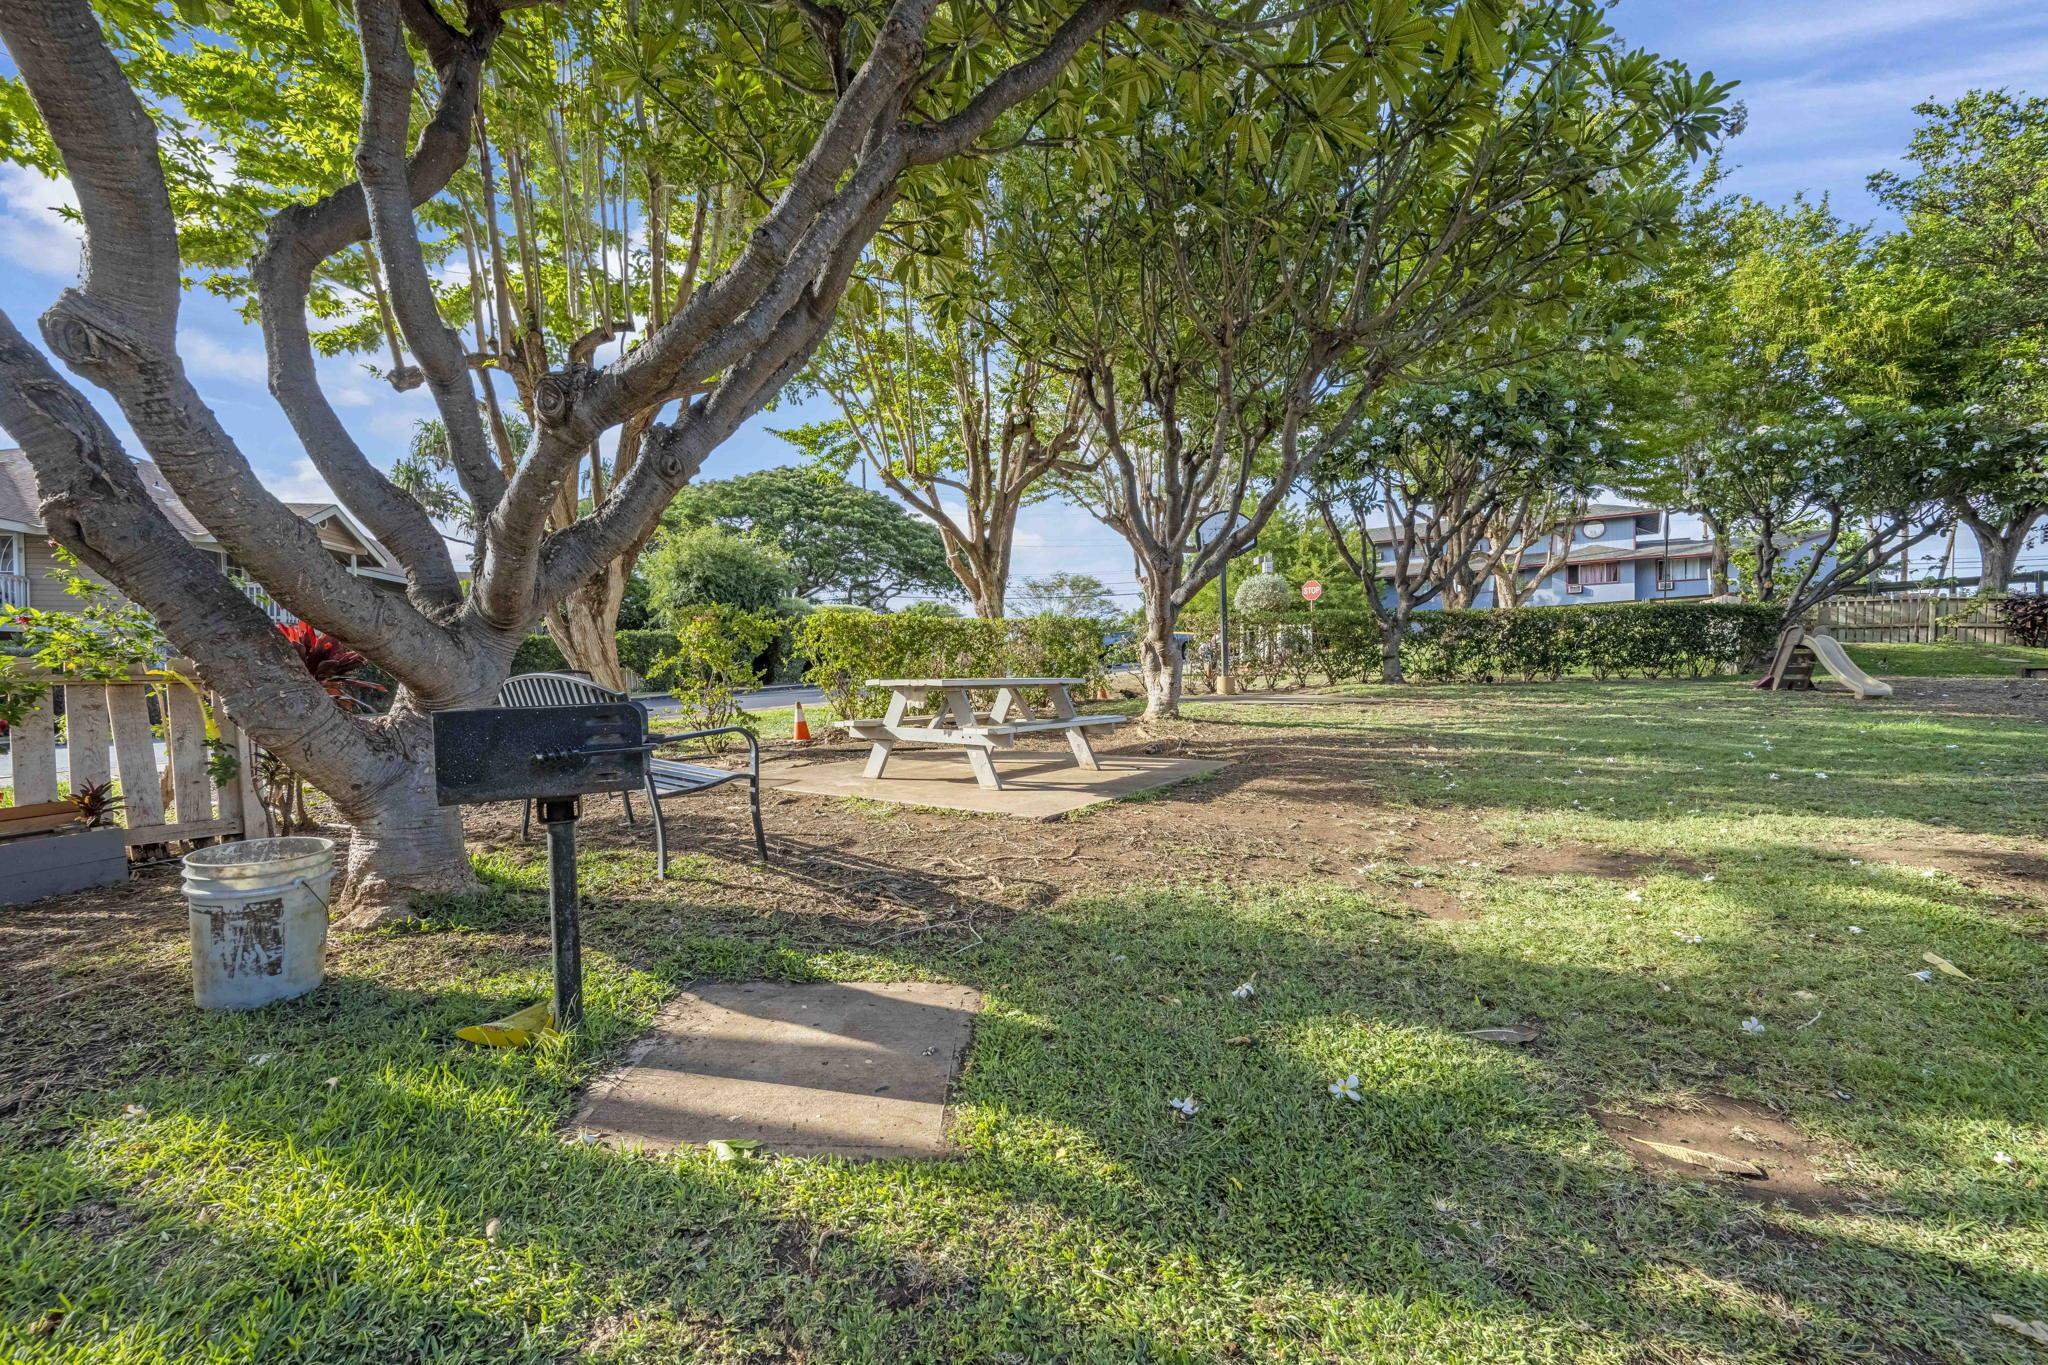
{"points": [[1998, 547], [585, 627], [1717, 564], [1392, 628], [405, 842], [1159, 661]]}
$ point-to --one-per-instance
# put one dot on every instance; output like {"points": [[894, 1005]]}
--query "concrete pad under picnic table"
{"points": [[1036, 785], [856, 1069]]}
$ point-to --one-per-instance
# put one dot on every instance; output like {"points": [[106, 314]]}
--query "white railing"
{"points": [[13, 590], [256, 593]]}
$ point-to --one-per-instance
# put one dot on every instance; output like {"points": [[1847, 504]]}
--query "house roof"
{"points": [[20, 509]]}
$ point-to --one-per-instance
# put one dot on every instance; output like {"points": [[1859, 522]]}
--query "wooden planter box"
{"points": [[51, 864]]}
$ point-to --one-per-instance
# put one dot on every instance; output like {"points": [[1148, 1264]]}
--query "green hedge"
{"points": [[1619, 640], [843, 648]]}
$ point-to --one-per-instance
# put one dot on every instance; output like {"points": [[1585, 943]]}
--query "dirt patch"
{"points": [[1728, 1141], [1586, 860], [1978, 862], [1436, 904]]}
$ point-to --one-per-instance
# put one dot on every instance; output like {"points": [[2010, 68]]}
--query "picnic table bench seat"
{"points": [[955, 720]]}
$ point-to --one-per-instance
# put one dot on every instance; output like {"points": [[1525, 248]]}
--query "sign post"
{"points": [[1213, 528]]}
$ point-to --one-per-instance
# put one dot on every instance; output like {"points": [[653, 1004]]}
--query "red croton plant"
{"points": [[331, 663]]}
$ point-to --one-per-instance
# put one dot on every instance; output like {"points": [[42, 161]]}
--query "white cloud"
{"points": [[300, 482], [1807, 30], [216, 358], [32, 235]]}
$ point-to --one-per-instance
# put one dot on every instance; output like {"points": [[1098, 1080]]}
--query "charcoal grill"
{"points": [[551, 755]]}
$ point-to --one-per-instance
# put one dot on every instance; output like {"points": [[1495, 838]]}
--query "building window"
{"points": [[10, 552], [1693, 570], [1592, 575]]}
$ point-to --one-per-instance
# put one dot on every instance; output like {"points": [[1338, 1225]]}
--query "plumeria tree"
{"points": [[1446, 488], [1823, 502], [849, 119], [947, 413], [1383, 192]]}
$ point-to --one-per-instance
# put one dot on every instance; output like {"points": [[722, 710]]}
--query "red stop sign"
{"points": [[1311, 590]]}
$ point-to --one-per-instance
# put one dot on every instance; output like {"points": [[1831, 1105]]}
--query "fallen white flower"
{"points": [[1752, 1025], [1184, 1107], [2003, 1158], [1923, 975], [1243, 992], [1346, 1088]]}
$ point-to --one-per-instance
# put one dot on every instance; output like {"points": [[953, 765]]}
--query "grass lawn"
{"points": [[1946, 660], [1632, 870]]}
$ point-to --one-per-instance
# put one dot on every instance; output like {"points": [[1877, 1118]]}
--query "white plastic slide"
{"points": [[1837, 661]]}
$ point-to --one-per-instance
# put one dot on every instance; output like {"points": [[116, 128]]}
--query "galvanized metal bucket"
{"points": [[259, 919]]}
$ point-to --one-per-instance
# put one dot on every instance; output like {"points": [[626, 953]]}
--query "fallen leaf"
{"points": [[491, 1231], [1713, 1161], [1241, 1040], [1514, 1035], [2034, 1330], [732, 1149], [1945, 967]]}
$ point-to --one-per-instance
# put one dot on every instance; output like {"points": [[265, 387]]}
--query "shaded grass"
{"points": [[1467, 1208], [1946, 660]]}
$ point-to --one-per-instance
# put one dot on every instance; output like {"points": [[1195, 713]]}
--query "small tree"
{"points": [[1410, 502], [1824, 503], [702, 566], [1068, 594], [841, 542]]}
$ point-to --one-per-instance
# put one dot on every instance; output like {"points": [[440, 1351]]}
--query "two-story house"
{"points": [[1614, 552], [27, 560]]}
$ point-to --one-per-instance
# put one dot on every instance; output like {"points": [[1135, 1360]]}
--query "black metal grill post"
{"points": [[559, 814]]}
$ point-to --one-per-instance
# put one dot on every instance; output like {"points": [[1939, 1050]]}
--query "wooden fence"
{"points": [[1912, 620], [109, 736]]}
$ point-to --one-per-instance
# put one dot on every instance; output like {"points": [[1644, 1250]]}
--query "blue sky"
{"points": [[1830, 86]]}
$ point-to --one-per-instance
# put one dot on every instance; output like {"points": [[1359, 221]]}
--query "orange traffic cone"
{"points": [[803, 727]]}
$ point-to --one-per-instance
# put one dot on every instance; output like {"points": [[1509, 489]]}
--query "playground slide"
{"points": [[1837, 661]]}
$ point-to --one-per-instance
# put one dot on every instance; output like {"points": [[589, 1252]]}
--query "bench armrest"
{"points": [[753, 745]]}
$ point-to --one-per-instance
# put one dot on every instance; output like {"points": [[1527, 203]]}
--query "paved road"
{"points": [[762, 699]]}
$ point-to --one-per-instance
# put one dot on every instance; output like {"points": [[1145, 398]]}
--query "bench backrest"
{"points": [[553, 689]]}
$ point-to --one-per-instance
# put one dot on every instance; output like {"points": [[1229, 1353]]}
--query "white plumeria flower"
{"points": [[2003, 1158], [1346, 1088], [1923, 975], [1821, 776], [1706, 876], [260, 1058], [1927, 872], [1185, 1107], [1243, 992], [1634, 895], [1774, 777], [1855, 928], [1683, 937], [134, 1111], [1752, 1025]]}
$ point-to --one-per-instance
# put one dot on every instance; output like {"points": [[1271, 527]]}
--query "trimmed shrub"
{"points": [[639, 650], [1267, 593], [1619, 640], [843, 647], [713, 655]]}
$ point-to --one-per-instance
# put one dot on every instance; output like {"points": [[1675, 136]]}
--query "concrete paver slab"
{"points": [[1036, 786], [855, 1069]]}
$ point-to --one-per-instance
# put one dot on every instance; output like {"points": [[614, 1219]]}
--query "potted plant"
{"points": [[58, 846]]}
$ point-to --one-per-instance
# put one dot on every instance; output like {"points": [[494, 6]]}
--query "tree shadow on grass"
{"points": [[1465, 1203]]}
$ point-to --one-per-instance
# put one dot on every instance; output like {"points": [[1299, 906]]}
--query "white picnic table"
{"points": [[954, 720]]}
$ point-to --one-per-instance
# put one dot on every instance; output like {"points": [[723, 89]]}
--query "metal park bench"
{"points": [[666, 777]]}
